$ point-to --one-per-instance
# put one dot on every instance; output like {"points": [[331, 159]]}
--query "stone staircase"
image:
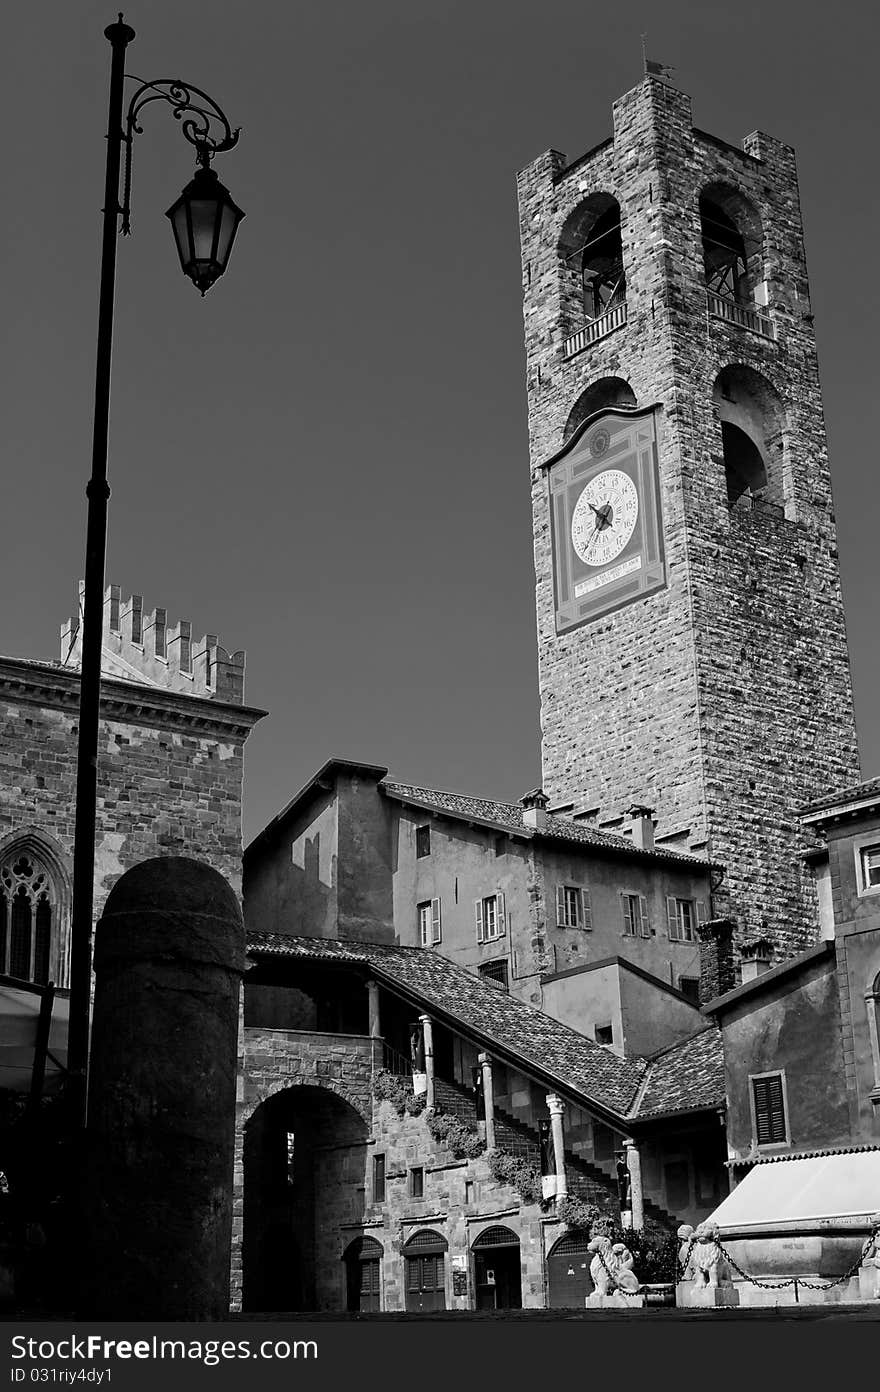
{"points": [[585, 1180]]}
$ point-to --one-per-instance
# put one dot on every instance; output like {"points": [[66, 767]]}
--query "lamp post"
{"points": [[204, 220]]}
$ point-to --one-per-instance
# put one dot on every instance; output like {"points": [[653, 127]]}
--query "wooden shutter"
{"points": [[626, 905], [435, 920], [478, 910], [672, 917], [501, 921], [561, 920], [770, 1128], [644, 920], [701, 912], [586, 910]]}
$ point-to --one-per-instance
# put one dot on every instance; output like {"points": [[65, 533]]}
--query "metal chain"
{"points": [[868, 1247], [614, 1278]]}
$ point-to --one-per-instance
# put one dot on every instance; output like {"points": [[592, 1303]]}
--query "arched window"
{"points": [[733, 244], [752, 422], [32, 905], [872, 1002], [608, 391], [591, 255]]}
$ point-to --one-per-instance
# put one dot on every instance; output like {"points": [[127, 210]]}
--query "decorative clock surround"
{"points": [[605, 516]]}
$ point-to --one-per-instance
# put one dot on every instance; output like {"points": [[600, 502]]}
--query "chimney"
{"points": [[534, 806], [755, 958], [717, 973], [642, 825]]}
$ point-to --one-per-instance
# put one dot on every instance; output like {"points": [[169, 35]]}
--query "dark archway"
{"points": [[599, 396], [568, 1273], [752, 434], [304, 1158], [497, 1270]]}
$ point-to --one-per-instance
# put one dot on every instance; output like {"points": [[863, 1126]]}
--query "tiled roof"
{"points": [[857, 792], [540, 1043], [508, 816], [689, 1074]]}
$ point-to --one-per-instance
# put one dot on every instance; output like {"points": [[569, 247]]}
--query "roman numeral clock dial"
{"points": [[605, 517]]}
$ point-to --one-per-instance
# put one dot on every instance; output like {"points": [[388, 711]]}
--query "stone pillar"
{"points": [[375, 1024], [556, 1106], [428, 1040], [169, 956], [636, 1194], [488, 1099]]}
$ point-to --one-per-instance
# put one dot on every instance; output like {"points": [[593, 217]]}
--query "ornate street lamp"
{"points": [[204, 220]]}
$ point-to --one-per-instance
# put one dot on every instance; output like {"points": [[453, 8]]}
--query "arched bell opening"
{"points": [[591, 261], [752, 424], [599, 396], [733, 244]]}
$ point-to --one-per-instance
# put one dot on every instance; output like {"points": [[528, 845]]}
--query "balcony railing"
{"points": [[746, 316], [613, 319]]}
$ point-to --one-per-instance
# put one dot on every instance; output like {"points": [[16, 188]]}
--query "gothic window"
{"points": [[732, 245], [28, 918]]}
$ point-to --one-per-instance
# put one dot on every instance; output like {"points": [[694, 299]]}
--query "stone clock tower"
{"points": [[692, 644]]}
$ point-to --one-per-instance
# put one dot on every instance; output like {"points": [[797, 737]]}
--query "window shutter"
{"points": [[770, 1126], [626, 909], [478, 910], [561, 921], [435, 920], [643, 915], [701, 912], [672, 917], [502, 921], [586, 911]]}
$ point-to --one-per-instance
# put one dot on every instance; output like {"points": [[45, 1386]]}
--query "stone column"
{"points": [[488, 1099], [428, 1040], [169, 956], [556, 1106], [375, 1024], [636, 1196]]}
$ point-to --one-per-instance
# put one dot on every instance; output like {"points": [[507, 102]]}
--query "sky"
{"points": [[325, 460]]}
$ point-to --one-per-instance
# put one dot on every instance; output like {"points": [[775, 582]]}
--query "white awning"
{"points": [[19, 1012], [812, 1190]]}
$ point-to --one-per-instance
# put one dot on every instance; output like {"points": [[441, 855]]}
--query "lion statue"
{"points": [[708, 1264], [611, 1267]]}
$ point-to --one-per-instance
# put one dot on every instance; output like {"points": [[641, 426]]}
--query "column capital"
{"points": [[425, 1019], [555, 1104]]}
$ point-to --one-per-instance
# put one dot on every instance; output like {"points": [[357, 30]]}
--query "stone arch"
{"points": [[304, 1157], [568, 1272], [49, 905], [599, 396], [590, 252], [339, 1086], [733, 243], [363, 1274], [752, 419], [497, 1268]]}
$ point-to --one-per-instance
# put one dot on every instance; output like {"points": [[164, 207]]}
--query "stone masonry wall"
{"points": [[169, 777], [724, 701]]}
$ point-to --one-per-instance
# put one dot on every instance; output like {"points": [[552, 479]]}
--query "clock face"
{"points": [[604, 517], [606, 523]]}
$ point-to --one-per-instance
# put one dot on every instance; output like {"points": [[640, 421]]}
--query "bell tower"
{"points": [[692, 643]]}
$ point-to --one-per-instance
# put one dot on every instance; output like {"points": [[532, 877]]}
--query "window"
{"points": [[573, 907], [423, 842], [768, 1109], [683, 917], [186, 664], [28, 910], [378, 1179], [494, 972], [690, 987], [137, 619], [604, 1034], [159, 634], [636, 923], [490, 918], [429, 922], [291, 1157], [500, 845], [869, 868], [417, 1182]]}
